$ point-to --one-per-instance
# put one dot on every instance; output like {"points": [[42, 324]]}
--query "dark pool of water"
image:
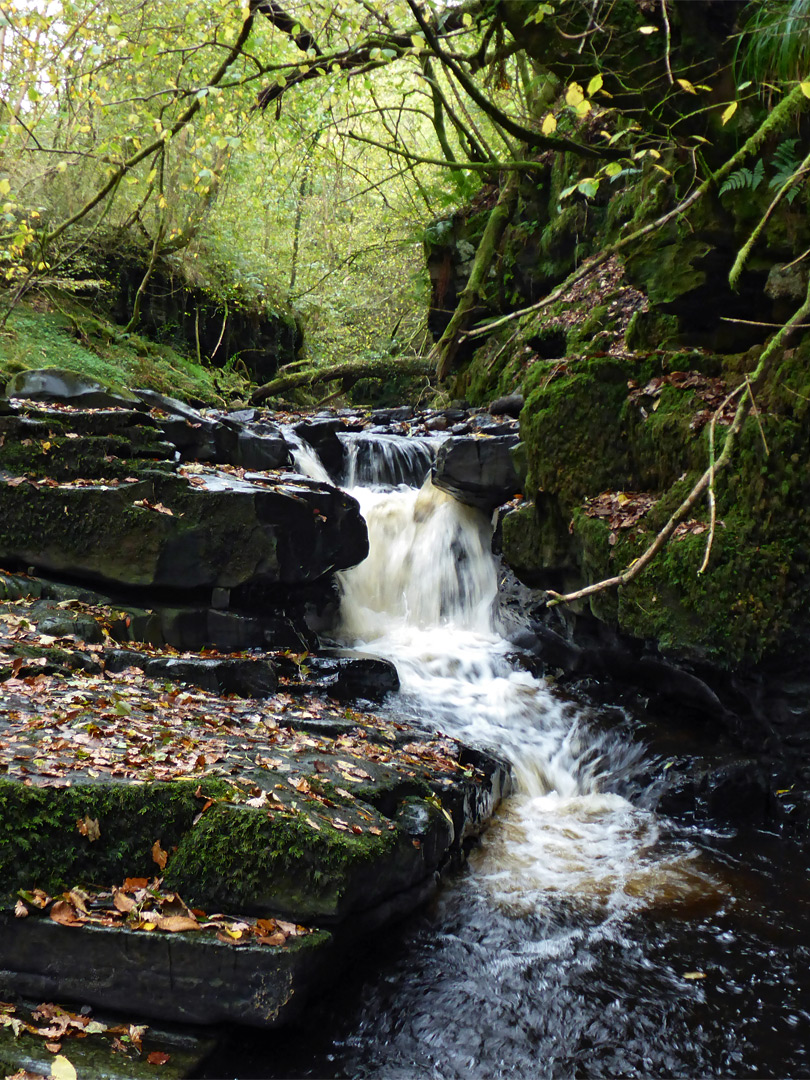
{"points": [[466, 989]]}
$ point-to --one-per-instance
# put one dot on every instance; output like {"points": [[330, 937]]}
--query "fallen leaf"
{"points": [[157, 1057], [20, 910], [132, 884], [694, 975], [62, 1069], [177, 923], [62, 913], [88, 827], [122, 902], [54, 1047], [159, 855]]}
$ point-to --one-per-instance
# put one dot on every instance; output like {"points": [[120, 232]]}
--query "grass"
{"points": [[43, 333]]}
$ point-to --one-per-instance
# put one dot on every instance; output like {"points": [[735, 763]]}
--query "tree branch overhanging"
{"points": [[708, 478]]}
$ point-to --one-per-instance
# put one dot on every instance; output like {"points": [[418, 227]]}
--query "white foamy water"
{"points": [[426, 599]]}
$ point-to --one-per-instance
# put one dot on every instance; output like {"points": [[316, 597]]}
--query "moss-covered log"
{"points": [[387, 367]]}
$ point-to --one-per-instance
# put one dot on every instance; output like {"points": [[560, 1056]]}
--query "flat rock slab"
{"points": [[192, 977], [286, 808], [37, 1038], [205, 529]]}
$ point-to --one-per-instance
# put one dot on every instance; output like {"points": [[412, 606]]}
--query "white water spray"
{"points": [[426, 599]]}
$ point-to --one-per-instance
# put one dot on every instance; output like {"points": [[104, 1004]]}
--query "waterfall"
{"points": [[425, 598]]}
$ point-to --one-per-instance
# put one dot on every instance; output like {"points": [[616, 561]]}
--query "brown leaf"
{"points": [[20, 910], [63, 913], [276, 938], [157, 1057], [123, 902], [88, 827], [54, 1047], [177, 923], [132, 884], [159, 855]]}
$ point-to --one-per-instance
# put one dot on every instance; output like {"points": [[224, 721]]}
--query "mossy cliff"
{"points": [[621, 376]]}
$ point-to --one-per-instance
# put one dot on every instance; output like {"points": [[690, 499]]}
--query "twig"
{"points": [[803, 255], [751, 322], [222, 331], [757, 417], [712, 499], [668, 34]]}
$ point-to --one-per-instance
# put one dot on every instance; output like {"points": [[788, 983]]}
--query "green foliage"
{"points": [[35, 338], [775, 42], [786, 161], [745, 178]]}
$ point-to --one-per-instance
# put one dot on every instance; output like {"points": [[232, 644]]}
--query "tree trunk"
{"points": [[447, 346], [385, 367]]}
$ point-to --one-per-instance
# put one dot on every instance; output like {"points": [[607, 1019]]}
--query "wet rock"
{"points": [[437, 423], [262, 451], [49, 618], [54, 384], [245, 677], [507, 406], [478, 472], [186, 972], [162, 531], [321, 436], [345, 677]]}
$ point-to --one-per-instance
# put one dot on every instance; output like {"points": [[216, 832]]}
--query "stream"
{"points": [[587, 936]]}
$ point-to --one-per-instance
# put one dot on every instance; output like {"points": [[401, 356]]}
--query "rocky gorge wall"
{"points": [[620, 379]]}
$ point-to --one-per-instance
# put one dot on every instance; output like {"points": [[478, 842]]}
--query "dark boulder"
{"points": [[162, 531], [478, 472], [54, 384], [507, 406], [322, 437]]}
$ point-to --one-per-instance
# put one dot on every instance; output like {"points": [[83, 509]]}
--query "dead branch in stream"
{"points": [[387, 367], [708, 478]]}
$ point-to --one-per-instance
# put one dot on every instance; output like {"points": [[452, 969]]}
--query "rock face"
{"points": [[478, 472], [98, 496]]}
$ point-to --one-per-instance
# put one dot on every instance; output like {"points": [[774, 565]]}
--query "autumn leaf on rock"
{"points": [[63, 913], [159, 855], [88, 827], [20, 910], [62, 1069], [157, 1057], [177, 923]]}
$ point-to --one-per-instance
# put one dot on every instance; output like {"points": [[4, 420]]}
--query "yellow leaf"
{"points": [[574, 94], [648, 29], [162, 204], [61, 1069], [694, 975], [583, 108], [805, 88], [729, 112], [594, 85], [549, 124], [686, 85], [5, 187]]}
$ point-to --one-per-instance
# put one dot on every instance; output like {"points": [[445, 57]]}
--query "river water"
{"points": [[588, 936]]}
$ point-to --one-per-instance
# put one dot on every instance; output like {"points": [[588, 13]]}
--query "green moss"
{"points": [[574, 433], [40, 338], [41, 846], [250, 860]]}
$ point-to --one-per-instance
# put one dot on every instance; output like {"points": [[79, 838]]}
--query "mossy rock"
{"points": [[574, 433], [41, 846]]}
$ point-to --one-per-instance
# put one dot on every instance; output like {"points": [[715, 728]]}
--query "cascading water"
{"points": [[588, 938], [426, 599]]}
